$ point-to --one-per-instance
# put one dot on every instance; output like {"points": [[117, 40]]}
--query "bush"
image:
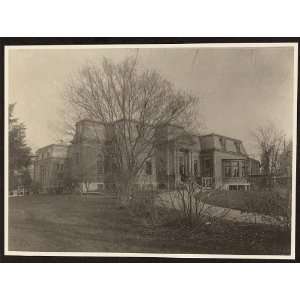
{"points": [[189, 200], [143, 204], [36, 187], [264, 202]]}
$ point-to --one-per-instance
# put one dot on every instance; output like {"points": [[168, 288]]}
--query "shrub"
{"points": [[143, 204], [189, 200]]}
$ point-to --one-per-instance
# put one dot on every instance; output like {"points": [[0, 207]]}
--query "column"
{"points": [[175, 165], [190, 162]]}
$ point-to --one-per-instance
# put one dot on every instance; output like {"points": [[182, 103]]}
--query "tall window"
{"points": [[243, 168], [100, 165], [148, 166], [227, 168], [42, 173], [208, 167], [235, 169], [181, 166], [208, 163], [238, 147], [222, 142]]}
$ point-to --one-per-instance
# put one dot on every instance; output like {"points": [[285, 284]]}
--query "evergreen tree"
{"points": [[19, 151]]}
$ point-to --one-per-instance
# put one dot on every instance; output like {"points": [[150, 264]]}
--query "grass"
{"points": [[72, 223], [263, 201]]}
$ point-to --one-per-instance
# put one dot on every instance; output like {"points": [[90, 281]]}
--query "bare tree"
{"points": [[133, 105], [270, 141], [82, 177], [286, 158]]}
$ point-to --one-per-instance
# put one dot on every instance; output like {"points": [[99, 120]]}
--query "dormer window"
{"points": [[222, 143], [238, 147]]}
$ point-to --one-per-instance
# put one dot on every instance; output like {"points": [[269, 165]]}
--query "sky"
{"points": [[238, 88]]}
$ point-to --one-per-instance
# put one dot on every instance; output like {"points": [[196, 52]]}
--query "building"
{"points": [[214, 161], [49, 167]]}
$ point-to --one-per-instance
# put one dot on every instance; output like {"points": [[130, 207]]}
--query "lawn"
{"points": [[267, 202], [95, 224]]}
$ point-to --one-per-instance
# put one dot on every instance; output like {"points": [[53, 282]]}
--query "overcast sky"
{"points": [[239, 88]]}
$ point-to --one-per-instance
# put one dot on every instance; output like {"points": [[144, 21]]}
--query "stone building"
{"points": [[214, 161], [49, 167]]}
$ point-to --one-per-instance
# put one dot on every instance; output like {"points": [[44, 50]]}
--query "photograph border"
{"points": [[80, 43]]}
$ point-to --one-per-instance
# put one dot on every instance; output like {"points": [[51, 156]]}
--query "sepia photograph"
{"points": [[151, 150]]}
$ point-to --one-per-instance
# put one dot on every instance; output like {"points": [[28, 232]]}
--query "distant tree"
{"points": [[81, 178], [270, 142], [141, 101], [19, 152], [286, 158], [25, 179]]}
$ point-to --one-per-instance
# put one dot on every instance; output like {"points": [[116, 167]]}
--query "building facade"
{"points": [[214, 161], [49, 167]]}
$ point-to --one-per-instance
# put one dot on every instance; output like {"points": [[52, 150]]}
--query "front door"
{"points": [[183, 165]]}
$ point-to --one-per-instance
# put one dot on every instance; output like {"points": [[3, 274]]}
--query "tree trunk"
{"points": [[125, 191]]}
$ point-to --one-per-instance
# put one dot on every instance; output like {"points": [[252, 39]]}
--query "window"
{"points": [[227, 169], [138, 129], [238, 187], [233, 188], [207, 167], [181, 166], [242, 187], [42, 174], [208, 163], [222, 142], [59, 167], [238, 147], [235, 169], [100, 187], [148, 167], [196, 167], [243, 168], [100, 165]]}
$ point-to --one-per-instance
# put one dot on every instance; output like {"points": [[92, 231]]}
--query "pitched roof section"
{"points": [[173, 132], [52, 146], [222, 143]]}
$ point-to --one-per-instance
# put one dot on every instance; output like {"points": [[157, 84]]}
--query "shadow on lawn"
{"points": [[58, 223]]}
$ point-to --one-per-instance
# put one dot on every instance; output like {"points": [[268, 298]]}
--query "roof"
{"points": [[219, 135], [254, 159], [51, 145]]}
